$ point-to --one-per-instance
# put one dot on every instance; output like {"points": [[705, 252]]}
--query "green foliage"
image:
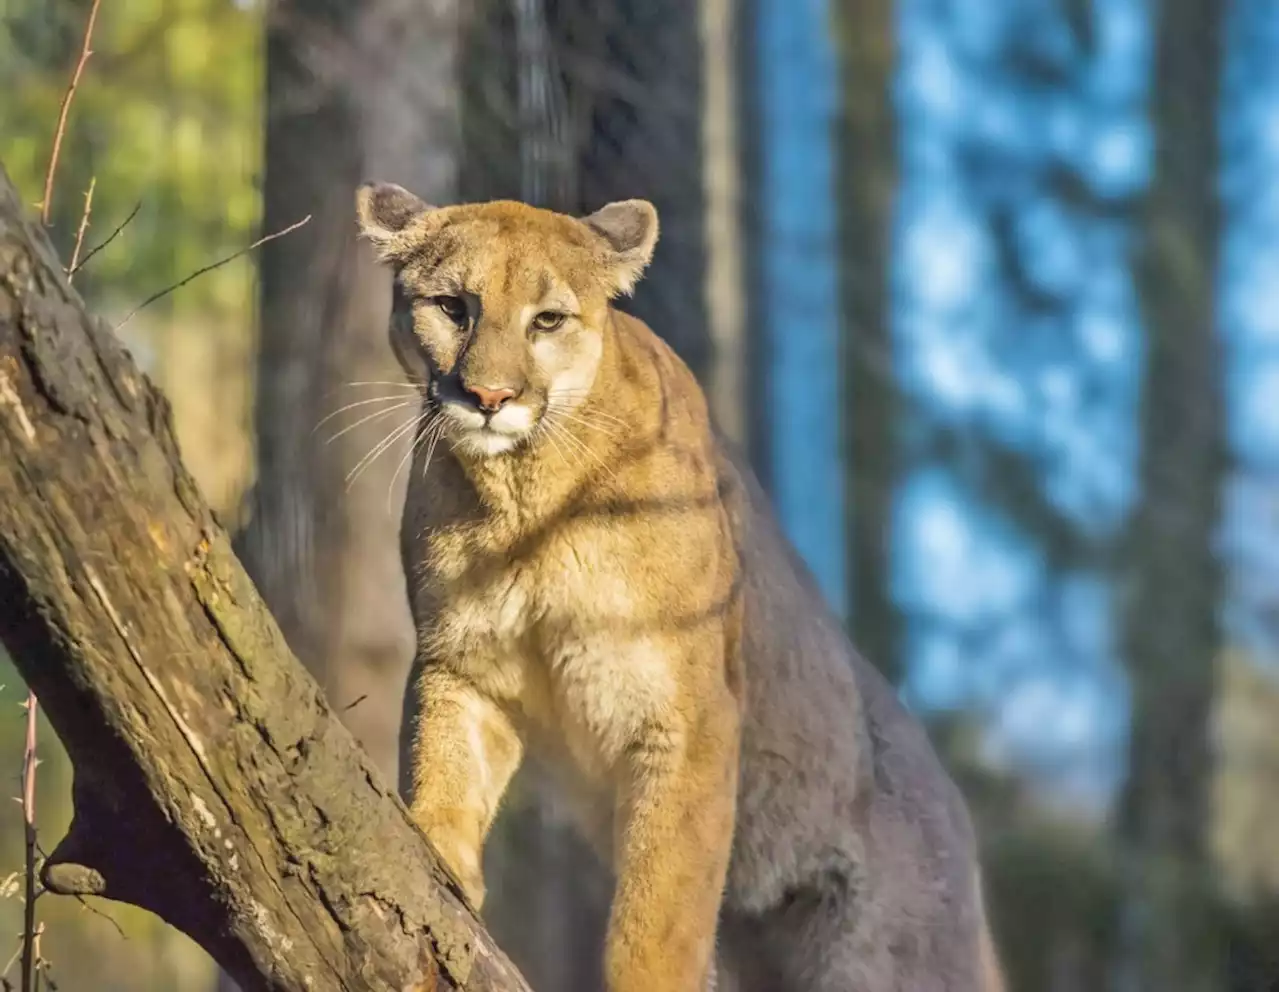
{"points": [[167, 113]]}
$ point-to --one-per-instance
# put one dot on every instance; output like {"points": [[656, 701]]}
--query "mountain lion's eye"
{"points": [[453, 307], [549, 320]]}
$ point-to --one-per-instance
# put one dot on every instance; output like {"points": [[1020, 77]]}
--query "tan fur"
{"points": [[598, 585]]}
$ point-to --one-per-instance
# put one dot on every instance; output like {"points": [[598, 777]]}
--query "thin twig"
{"points": [[4, 975], [85, 52], [84, 226], [109, 238], [30, 932], [106, 916], [209, 268], [40, 962]]}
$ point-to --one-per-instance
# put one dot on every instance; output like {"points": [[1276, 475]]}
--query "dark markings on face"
{"points": [[507, 272]]}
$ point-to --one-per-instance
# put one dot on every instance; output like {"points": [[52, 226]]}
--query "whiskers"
{"points": [[388, 440], [397, 403], [404, 395], [426, 425], [558, 425], [590, 423], [580, 435], [432, 431], [560, 401]]}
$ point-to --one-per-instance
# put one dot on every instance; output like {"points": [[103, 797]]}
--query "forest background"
{"points": [[987, 290]]}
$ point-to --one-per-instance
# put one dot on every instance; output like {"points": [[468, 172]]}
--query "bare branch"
{"points": [[106, 241], [209, 268], [85, 51], [85, 904], [84, 226], [30, 931]]}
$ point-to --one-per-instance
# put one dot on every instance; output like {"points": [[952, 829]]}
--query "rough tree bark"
{"points": [[213, 785]]}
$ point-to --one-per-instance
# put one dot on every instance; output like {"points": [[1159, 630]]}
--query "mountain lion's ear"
{"points": [[385, 210], [631, 229]]}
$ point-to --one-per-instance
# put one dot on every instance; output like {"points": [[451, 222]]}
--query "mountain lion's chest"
{"points": [[559, 639]]}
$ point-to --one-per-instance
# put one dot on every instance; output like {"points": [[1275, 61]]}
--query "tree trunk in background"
{"points": [[571, 104], [635, 78], [354, 92], [868, 176], [1172, 635], [547, 900], [722, 186]]}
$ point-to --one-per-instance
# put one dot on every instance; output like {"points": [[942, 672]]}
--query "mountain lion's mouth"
{"points": [[486, 442], [495, 434]]}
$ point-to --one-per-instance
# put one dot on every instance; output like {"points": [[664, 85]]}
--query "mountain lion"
{"points": [[598, 584]]}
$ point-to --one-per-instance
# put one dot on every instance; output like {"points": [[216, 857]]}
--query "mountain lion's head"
{"points": [[500, 309]]}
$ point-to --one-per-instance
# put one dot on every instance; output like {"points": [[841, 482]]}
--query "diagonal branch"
{"points": [[76, 266], [161, 294], [213, 784]]}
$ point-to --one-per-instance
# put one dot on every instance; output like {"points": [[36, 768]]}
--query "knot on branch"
{"points": [[78, 865], [70, 879]]}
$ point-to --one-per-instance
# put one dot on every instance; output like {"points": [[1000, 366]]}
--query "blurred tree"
{"points": [[571, 104], [637, 89], [1245, 723], [1175, 578], [353, 92], [723, 183], [868, 171]]}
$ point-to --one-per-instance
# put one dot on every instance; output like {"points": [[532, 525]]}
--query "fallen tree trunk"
{"points": [[213, 785]]}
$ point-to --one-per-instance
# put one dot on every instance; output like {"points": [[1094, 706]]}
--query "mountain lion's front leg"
{"points": [[464, 752], [675, 830]]}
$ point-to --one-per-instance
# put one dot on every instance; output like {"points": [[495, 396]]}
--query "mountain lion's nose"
{"points": [[491, 398]]}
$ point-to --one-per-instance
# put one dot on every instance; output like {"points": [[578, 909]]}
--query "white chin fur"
{"points": [[486, 443], [504, 432]]}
